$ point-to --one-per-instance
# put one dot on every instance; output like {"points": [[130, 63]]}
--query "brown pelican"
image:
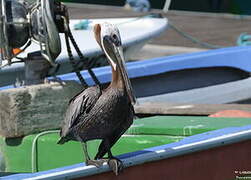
{"points": [[105, 114]]}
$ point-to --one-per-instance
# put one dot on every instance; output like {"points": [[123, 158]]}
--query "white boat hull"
{"points": [[135, 33]]}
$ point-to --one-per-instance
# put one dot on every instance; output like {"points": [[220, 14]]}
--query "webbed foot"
{"points": [[97, 163], [116, 165]]}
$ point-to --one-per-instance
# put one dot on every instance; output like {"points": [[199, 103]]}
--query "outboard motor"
{"points": [[23, 22]]}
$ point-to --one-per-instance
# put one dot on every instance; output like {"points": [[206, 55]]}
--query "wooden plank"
{"points": [[187, 109], [35, 108]]}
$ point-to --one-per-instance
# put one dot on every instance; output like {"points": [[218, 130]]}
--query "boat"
{"points": [[210, 77], [221, 76], [133, 32], [162, 146], [181, 147]]}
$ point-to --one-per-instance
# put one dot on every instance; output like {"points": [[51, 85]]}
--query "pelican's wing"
{"points": [[80, 105]]}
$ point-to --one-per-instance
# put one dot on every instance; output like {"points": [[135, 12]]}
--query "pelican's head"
{"points": [[108, 37]]}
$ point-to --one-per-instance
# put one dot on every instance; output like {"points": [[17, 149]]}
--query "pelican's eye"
{"points": [[114, 36], [116, 40]]}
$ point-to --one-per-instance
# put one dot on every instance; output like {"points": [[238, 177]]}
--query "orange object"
{"points": [[16, 50], [232, 113]]}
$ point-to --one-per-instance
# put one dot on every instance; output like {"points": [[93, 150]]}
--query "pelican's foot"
{"points": [[116, 165], [97, 163]]}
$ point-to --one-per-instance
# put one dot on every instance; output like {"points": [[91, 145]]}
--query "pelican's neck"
{"points": [[117, 80]]}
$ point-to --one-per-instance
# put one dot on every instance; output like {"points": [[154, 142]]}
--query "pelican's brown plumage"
{"points": [[97, 113]]}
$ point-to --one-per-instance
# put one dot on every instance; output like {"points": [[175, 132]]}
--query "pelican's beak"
{"points": [[114, 53], [121, 66]]}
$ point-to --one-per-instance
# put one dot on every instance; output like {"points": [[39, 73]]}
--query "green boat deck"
{"points": [[144, 133]]}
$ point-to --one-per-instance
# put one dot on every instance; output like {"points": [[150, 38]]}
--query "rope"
{"points": [[194, 40], [81, 56], [72, 61], [68, 35], [34, 149]]}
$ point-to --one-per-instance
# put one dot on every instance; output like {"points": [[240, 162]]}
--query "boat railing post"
{"points": [[166, 6]]}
